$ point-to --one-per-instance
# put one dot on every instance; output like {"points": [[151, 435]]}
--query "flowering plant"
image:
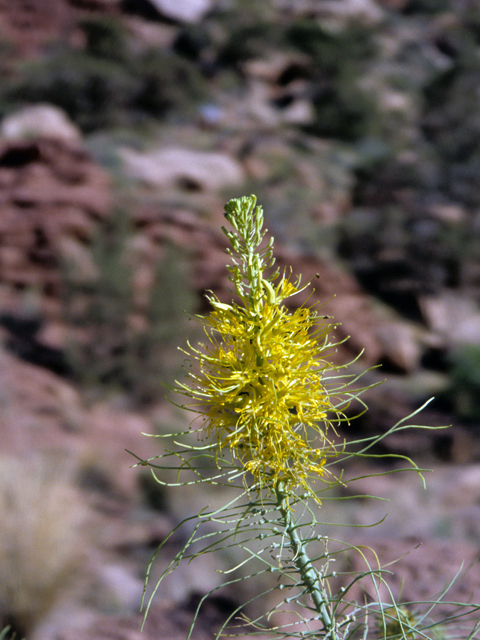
{"points": [[269, 404]]}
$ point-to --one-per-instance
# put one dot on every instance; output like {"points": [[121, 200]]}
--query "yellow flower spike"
{"points": [[269, 400], [259, 380]]}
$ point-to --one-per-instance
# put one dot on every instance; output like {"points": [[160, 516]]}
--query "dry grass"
{"points": [[41, 539]]}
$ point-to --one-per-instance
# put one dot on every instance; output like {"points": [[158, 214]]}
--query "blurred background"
{"points": [[125, 125]]}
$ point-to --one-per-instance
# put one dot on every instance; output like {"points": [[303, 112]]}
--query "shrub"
{"points": [[108, 347], [106, 38], [94, 92], [465, 388], [106, 85], [41, 540]]}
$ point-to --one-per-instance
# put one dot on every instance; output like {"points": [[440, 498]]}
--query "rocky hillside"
{"points": [[125, 126]]}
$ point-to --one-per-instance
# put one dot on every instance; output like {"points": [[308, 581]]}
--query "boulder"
{"points": [[453, 316], [183, 168], [39, 120], [183, 10]]}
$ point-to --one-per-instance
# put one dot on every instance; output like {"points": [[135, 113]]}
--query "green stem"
{"points": [[310, 576]]}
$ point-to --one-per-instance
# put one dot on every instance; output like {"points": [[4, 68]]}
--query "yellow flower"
{"points": [[259, 386], [259, 380]]}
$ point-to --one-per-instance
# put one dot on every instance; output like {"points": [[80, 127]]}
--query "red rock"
{"points": [[51, 190], [30, 24]]}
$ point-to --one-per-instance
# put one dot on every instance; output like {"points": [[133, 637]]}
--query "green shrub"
{"points": [[168, 83], [106, 84], [94, 92], [451, 112], [109, 348], [426, 6], [465, 388], [338, 59], [106, 38], [246, 41]]}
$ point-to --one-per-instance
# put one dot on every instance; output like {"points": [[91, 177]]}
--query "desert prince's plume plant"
{"points": [[269, 401]]}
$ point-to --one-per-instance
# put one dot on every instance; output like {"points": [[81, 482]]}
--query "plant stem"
{"points": [[309, 575]]}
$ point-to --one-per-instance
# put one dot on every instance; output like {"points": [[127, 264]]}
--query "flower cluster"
{"points": [[269, 399], [258, 382]]}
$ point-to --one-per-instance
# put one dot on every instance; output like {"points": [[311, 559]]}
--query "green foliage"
{"points": [[338, 60], [100, 305], [430, 79], [153, 354], [427, 6], [398, 254], [332, 50], [465, 387], [93, 91], [106, 85], [246, 41], [451, 112], [193, 40], [108, 348], [168, 83], [106, 38]]}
